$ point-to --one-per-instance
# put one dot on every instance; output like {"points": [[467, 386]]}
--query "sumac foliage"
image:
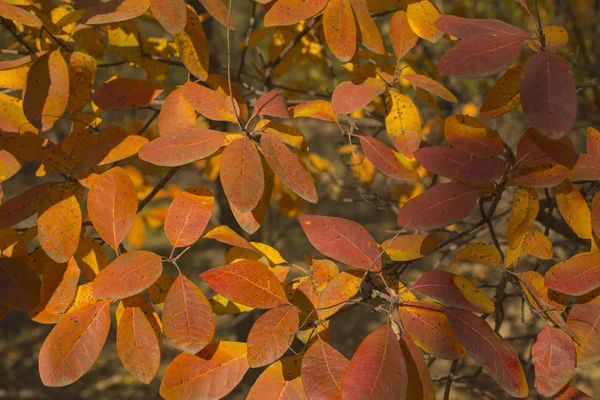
{"points": [[216, 189]]}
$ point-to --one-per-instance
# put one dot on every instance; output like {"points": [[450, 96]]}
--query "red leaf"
{"points": [[457, 165], [291, 12], [572, 393], [75, 343], [349, 97], [466, 27], [481, 55], [584, 322], [548, 94], [112, 205], [19, 285], [139, 339], [497, 357], [128, 274], [247, 282], [377, 370], [271, 335], [453, 290], [210, 374], [170, 14], [183, 147], [343, 240], [125, 93], [286, 166], [576, 276], [272, 104], [242, 174], [438, 207], [555, 360], [176, 114], [386, 160], [323, 368], [188, 215], [188, 320]]}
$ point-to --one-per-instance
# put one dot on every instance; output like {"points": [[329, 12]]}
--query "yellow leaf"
{"points": [[409, 247], [482, 253], [422, 16], [525, 208], [124, 40], [504, 95], [92, 257], [271, 253], [574, 209], [287, 134], [403, 123], [556, 36], [222, 306], [192, 45], [536, 244]]}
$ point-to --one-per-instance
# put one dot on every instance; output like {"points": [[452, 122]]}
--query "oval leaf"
{"points": [[170, 14], [323, 368], [555, 360], [125, 93], [349, 97], [271, 335], [127, 275], [176, 114], [387, 160], [188, 215], [242, 174], [576, 276]]}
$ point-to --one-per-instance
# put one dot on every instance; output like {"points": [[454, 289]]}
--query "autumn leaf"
{"points": [[349, 97], [271, 335], [402, 36], [182, 147], [115, 11], [387, 160], [125, 93], [188, 320], [20, 285], [127, 275], [377, 369], [176, 114], [211, 374], [322, 371], [583, 321], [188, 215], [170, 13], [555, 360], [247, 282], [343, 240], [74, 344], [340, 29]]}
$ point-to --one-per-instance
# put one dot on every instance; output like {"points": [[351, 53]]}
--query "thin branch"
{"points": [[540, 27], [157, 188]]}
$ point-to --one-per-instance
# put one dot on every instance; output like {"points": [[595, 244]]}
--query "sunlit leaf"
{"points": [[127, 275], [271, 335], [114, 11], [290, 12], [171, 14], [555, 360], [410, 247], [349, 97], [281, 380], [188, 216], [584, 322], [176, 114], [402, 36], [192, 46], [340, 29], [322, 371], [403, 123], [340, 289], [504, 95], [525, 208], [422, 16], [387, 160], [574, 209]]}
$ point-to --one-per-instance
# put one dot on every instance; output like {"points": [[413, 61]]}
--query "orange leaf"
{"points": [[59, 286], [46, 95], [584, 322], [125, 93], [504, 95], [322, 371], [272, 104], [59, 221], [114, 11], [138, 342], [576, 276], [340, 29], [188, 320], [242, 174], [182, 147], [192, 46], [574, 209], [247, 282], [430, 85], [23, 205], [420, 385], [19, 15], [287, 167], [225, 234], [422, 16], [112, 205], [128, 274], [340, 289], [318, 109], [377, 370], [208, 103], [82, 72], [349, 97], [175, 114], [219, 11], [75, 343], [188, 216], [19, 285], [271, 335], [170, 14], [291, 12], [211, 374], [343, 240], [280, 380], [369, 32], [402, 36]]}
